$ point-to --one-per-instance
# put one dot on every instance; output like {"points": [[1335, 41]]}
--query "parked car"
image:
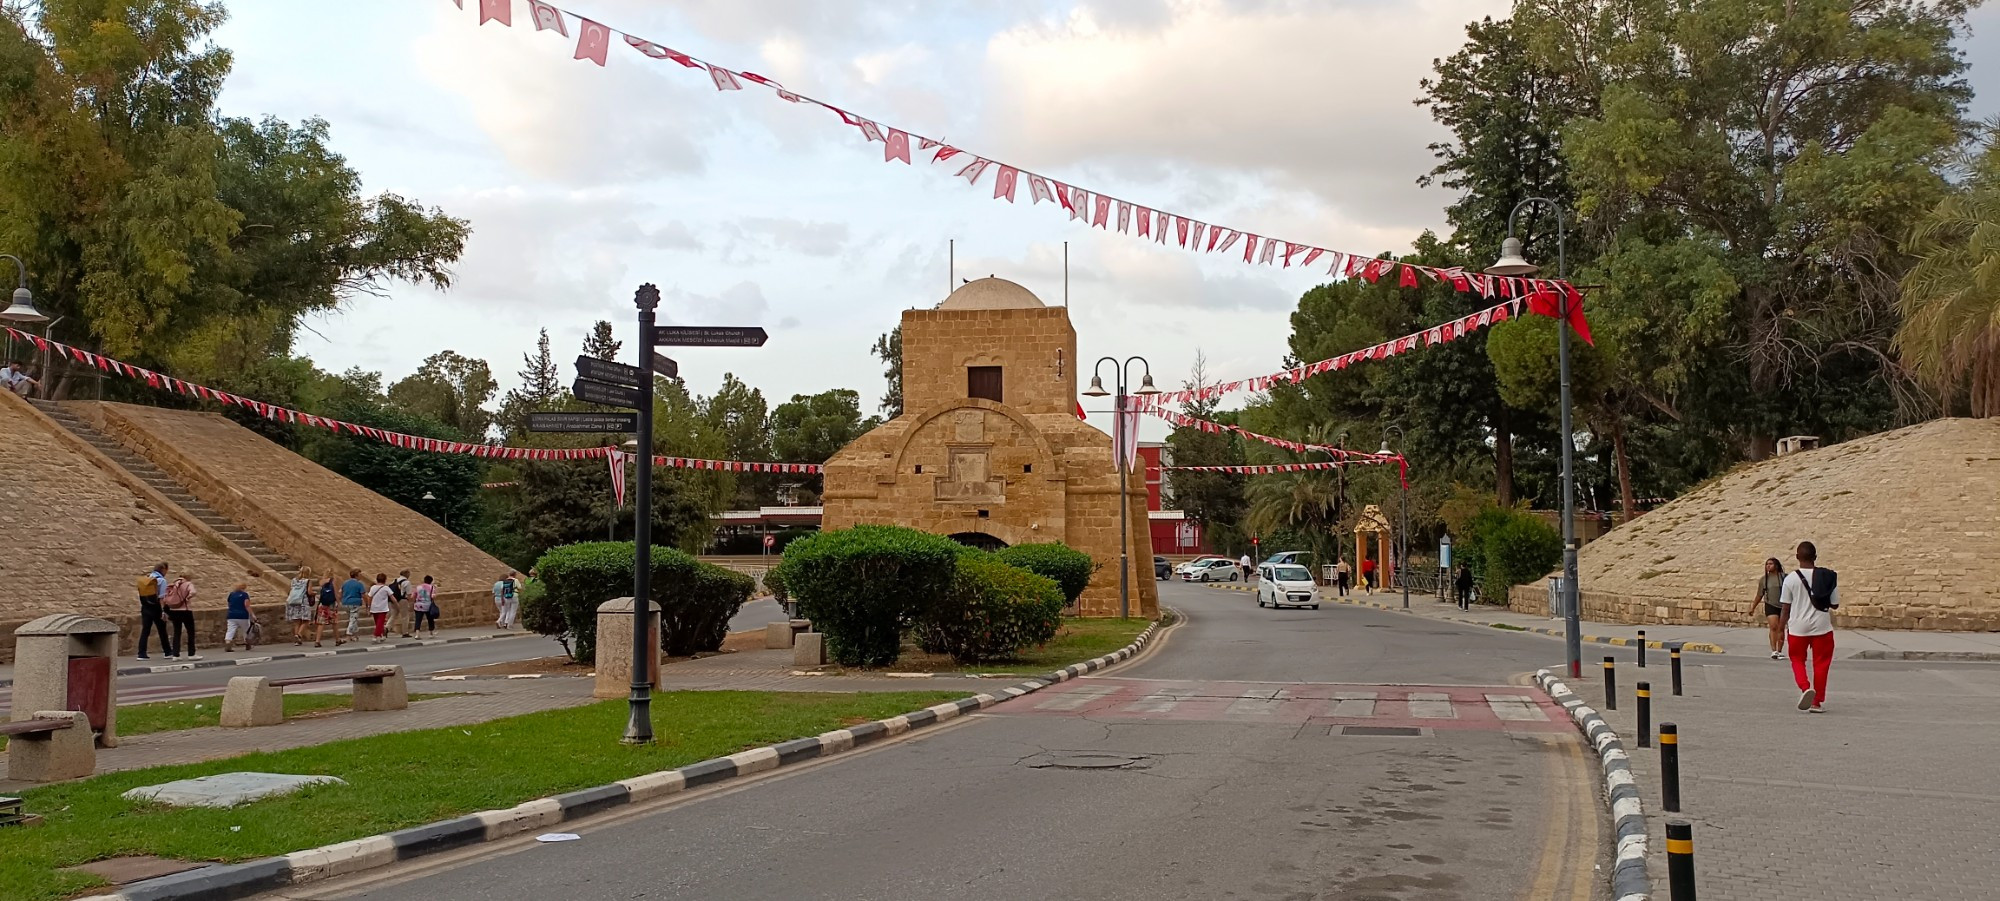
{"points": [[1162, 570], [1212, 569], [1286, 585], [1197, 563], [1302, 558]]}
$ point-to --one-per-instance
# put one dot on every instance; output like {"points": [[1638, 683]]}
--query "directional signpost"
{"points": [[611, 423], [595, 382]]}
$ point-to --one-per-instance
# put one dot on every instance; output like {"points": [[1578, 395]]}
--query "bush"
{"points": [[774, 582], [540, 615], [696, 599], [1517, 552], [992, 610], [863, 587], [1070, 568]]}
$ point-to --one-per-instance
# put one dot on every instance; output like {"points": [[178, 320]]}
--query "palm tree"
{"points": [[1310, 503], [1951, 299]]}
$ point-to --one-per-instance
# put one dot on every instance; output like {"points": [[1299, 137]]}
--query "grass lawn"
{"points": [[408, 779], [1077, 641], [173, 716]]}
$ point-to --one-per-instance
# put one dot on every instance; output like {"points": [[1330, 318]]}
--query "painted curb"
{"points": [[242, 880], [1628, 870], [299, 655], [1935, 656], [1700, 647]]}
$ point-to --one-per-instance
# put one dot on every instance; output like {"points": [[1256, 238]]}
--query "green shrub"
{"points": [[1070, 568], [543, 616], [696, 599], [1517, 552], [774, 582], [863, 587], [991, 611]]}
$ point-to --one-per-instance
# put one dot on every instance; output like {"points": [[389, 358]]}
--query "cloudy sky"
{"points": [[1291, 119]]}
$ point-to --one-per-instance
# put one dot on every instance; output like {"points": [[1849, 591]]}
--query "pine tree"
{"points": [[600, 344], [541, 388], [889, 349]]}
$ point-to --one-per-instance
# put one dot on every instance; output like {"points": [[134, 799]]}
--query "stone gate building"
{"points": [[989, 450]]}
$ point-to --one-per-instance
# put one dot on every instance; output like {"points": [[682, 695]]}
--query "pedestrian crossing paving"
{"points": [[1480, 707]]}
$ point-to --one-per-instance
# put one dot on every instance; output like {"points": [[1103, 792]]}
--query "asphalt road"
{"points": [[1218, 766]]}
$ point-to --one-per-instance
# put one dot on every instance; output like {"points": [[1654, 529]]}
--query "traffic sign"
{"points": [[770, 540], [665, 366], [610, 395], [709, 335], [583, 422], [610, 373]]}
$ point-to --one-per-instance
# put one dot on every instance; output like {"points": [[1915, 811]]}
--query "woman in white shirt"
{"points": [[381, 606]]}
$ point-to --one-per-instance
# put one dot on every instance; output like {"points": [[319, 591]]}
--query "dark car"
{"points": [[1162, 570]]}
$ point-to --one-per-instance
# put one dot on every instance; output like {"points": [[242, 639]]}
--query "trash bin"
{"points": [[65, 661]]}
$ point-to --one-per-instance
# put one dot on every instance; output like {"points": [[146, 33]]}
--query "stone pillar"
{"points": [[252, 701], [778, 635], [391, 692], [809, 650], [614, 647], [64, 661]]}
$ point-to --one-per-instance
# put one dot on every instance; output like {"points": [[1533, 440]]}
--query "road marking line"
{"points": [[1255, 704], [1431, 705], [1518, 708], [1158, 703], [1071, 700], [1352, 703]]}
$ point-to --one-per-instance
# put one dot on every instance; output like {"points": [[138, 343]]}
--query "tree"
{"points": [[403, 476], [889, 349], [600, 344], [1213, 499], [1951, 299], [738, 414], [541, 390], [449, 389], [812, 428], [172, 236]]}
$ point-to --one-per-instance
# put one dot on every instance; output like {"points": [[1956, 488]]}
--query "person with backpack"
{"points": [[510, 599], [400, 587], [424, 608], [1463, 586], [180, 613], [299, 605], [329, 599], [152, 612], [1811, 594]]}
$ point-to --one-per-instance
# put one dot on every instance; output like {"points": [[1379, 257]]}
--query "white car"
{"points": [[1286, 585], [1213, 569], [1201, 562]]}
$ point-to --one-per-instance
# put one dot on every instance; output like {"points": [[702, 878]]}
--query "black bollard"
{"points": [[1645, 714], [1680, 861], [1610, 684], [1642, 648], [1670, 768], [1674, 663]]}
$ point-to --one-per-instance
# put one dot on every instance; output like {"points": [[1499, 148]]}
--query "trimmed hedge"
{"points": [[1070, 568], [863, 587], [774, 582], [992, 610], [1507, 547], [696, 599]]}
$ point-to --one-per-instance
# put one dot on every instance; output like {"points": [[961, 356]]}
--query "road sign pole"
{"points": [[639, 730]]}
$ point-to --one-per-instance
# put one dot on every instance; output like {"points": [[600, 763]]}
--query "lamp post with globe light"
{"points": [[1121, 375]]}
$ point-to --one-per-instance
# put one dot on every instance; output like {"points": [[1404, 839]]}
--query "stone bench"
{"points": [[778, 636], [260, 700], [54, 746]]}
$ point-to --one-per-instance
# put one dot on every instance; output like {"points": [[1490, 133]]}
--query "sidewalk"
{"points": [[284, 650], [1889, 794], [1870, 644]]}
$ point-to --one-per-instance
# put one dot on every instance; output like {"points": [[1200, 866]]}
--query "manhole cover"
{"points": [[1089, 760], [1385, 731]]}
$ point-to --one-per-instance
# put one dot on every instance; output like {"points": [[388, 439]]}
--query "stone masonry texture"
{"points": [[1020, 470], [1910, 519]]}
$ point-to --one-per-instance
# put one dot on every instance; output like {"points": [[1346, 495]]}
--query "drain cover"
{"points": [[1385, 731], [1088, 760]]}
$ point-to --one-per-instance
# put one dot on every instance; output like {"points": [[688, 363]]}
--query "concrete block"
{"points": [[777, 636], [53, 756], [614, 648], [226, 789], [809, 649], [392, 693], [252, 701]]}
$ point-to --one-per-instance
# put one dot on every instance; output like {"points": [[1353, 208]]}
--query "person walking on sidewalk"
{"points": [[352, 593], [1245, 565], [510, 599], [401, 588], [1770, 592], [239, 619], [299, 605], [500, 601], [381, 606], [423, 610], [1368, 574], [1810, 596], [1463, 586], [329, 603], [180, 613], [1341, 572], [152, 611]]}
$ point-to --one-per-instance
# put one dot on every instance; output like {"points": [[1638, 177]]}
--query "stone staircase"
{"points": [[167, 485]]}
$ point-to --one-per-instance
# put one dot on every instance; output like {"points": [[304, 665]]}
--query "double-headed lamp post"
{"points": [[1121, 376], [1402, 536], [1512, 263]]}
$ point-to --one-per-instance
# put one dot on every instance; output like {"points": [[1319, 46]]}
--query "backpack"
{"points": [[1820, 587], [149, 588], [396, 589], [180, 594]]}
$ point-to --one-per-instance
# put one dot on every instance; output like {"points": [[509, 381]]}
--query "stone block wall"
{"points": [[1036, 348]]}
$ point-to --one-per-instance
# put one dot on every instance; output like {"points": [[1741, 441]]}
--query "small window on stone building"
{"points": [[983, 382], [1025, 467], [920, 469]]}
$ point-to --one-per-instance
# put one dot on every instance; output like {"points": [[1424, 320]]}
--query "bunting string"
{"points": [[398, 439], [1341, 455], [1095, 208]]}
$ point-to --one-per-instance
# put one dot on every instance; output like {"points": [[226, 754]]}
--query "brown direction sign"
{"points": [[583, 422], [665, 366], [610, 373], [709, 335], [610, 395]]}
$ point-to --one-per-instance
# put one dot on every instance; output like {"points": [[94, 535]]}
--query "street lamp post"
{"points": [[1121, 375], [1512, 263], [22, 310], [1403, 535]]}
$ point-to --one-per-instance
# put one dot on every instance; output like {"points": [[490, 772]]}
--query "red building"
{"points": [[1173, 533]]}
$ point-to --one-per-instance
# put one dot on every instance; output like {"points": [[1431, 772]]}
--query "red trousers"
{"points": [[1821, 647], [382, 628]]}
